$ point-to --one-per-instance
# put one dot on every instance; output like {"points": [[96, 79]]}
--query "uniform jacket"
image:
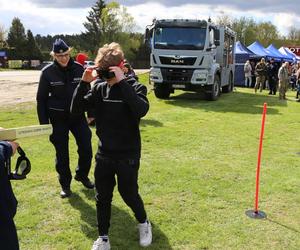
{"points": [[118, 110], [261, 69], [56, 88], [8, 202], [283, 74], [272, 71]]}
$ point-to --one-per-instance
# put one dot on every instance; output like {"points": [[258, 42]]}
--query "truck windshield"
{"points": [[179, 38]]}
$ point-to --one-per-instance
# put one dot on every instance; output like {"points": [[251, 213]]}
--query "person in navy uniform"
{"points": [[119, 103], [272, 72], [8, 202], [56, 86]]}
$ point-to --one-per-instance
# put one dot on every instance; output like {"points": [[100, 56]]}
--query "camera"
{"points": [[105, 74]]}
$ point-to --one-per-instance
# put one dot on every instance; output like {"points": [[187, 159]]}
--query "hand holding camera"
{"points": [[118, 73], [88, 75]]}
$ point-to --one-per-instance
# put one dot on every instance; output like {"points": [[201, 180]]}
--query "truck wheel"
{"points": [[214, 92], [228, 88], [161, 92]]}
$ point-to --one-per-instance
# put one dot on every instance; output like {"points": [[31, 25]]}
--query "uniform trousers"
{"points": [[60, 139]]}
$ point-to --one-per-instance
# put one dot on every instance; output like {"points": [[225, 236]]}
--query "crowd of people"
{"points": [[272, 75]]}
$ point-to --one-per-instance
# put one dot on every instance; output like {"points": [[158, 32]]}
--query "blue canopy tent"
{"points": [[285, 51], [242, 54], [258, 49], [275, 51]]}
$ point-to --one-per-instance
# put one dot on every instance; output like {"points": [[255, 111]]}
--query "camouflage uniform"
{"points": [[260, 72], [283, 76]]}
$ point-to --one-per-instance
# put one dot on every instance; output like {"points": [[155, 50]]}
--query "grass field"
{"points": [[197, 178]]}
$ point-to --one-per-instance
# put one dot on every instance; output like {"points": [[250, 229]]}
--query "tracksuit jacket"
{"points": [[117, 111]]}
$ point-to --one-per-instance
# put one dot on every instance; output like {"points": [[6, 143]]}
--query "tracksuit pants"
{"points": [[126, 172]]}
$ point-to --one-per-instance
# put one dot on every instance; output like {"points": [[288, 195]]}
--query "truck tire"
{"points": [[228, 88], [214, 92], [161, 92]]}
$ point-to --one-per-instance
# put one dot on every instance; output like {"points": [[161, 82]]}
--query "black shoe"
{"points": [[65, 192], [85, 181]]}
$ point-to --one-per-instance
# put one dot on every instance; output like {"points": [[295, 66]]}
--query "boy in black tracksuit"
{"points": [[56, 87], [118, 104], [8, 202]]}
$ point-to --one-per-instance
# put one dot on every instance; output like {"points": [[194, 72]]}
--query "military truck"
{"points": [[190, 55]]}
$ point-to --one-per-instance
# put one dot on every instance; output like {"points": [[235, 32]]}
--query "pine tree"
{"points": [[94, 25], [32, 50], [16, 38]]}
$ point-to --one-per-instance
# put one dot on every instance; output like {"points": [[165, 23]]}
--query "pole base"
{"points": [[256, 214]]}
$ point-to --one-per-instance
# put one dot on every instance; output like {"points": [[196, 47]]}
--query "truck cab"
{"points": [[190, 55]]}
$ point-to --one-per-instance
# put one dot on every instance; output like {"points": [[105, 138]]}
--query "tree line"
{"points": [[248, 31], [107, 22]]}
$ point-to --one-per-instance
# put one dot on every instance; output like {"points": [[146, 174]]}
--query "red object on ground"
{"points": [[259, 156], [81, 57]]}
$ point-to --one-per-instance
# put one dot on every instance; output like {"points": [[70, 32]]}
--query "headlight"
{"points": [[201, 75]]}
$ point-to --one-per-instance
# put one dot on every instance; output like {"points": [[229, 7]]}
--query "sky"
{"points": [[67, 16]]}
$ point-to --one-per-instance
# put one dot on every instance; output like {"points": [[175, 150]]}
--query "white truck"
{"points": [[190, 55]]}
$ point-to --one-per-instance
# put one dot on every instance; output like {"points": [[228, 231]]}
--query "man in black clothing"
{"points": [[56, 87], [8, 202], [272, 72], [119, 104]]}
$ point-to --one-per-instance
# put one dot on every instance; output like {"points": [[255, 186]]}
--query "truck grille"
{"points": [[177, 75], [171, 60]]}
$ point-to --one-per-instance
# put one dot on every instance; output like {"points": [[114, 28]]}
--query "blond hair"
{"points": [[109, 55]]}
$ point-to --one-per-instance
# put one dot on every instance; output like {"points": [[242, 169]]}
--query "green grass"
{"points": [[197, 178]]}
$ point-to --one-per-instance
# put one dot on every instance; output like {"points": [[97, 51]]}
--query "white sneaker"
{"points": [[100, 244], [145, 233]]}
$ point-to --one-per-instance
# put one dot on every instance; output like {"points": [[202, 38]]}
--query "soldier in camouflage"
{"points": [[261, 73], [283, 76]]}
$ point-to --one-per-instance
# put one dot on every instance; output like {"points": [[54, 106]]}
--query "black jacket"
{"points": [[8, 202], [272, 71], [56, 88], [118, 110]]}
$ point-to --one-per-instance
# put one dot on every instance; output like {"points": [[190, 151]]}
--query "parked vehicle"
{"points": [[191, 55], [88, 64], [43, 64]]}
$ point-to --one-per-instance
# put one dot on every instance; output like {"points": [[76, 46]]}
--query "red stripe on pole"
{"points": [[259, 156]]}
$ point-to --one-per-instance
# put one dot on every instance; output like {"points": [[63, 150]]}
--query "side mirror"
{"points": [[147, 36], [217, 37]]}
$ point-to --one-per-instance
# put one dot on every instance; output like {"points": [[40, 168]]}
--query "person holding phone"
{"points": [[119, 103]]}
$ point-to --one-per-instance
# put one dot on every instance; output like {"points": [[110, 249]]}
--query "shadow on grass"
{"points": [[148, 122], [123, 230], [238, 102], [280, 224]]}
